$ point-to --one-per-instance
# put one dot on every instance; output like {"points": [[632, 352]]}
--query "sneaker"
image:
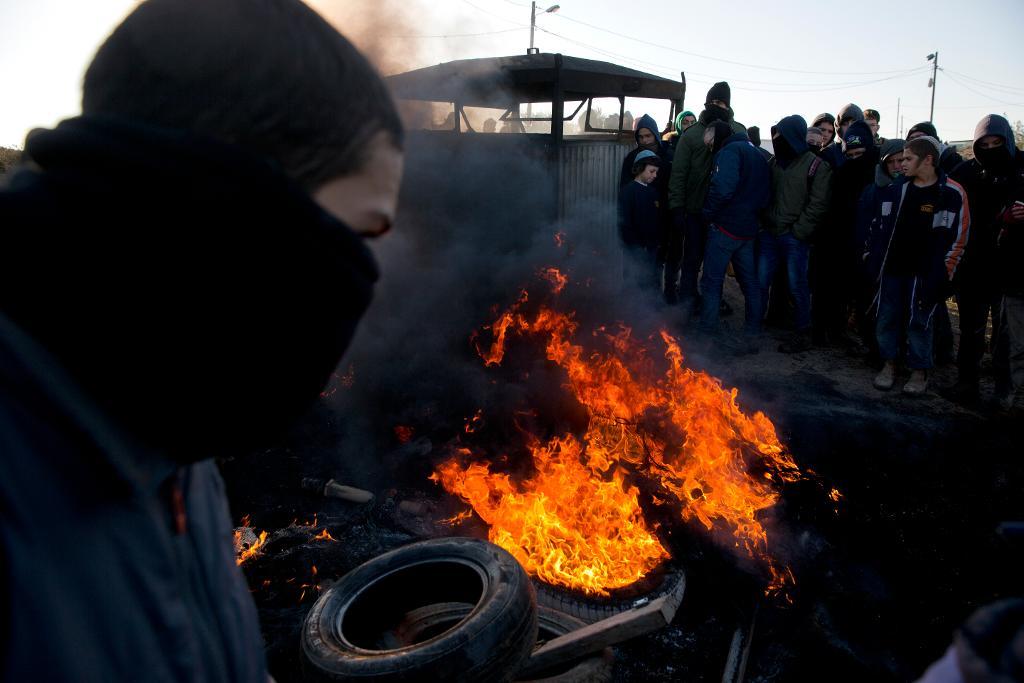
{"points": [[886, 377], [797, 343], [917, 384]]}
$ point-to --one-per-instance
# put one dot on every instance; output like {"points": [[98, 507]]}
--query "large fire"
{"points": [[577, 520]]}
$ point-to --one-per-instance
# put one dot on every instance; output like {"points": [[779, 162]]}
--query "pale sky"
{"points": [[780, 59]]}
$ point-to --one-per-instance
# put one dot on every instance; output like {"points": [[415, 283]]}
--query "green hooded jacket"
{"points": [[691, 168], [799, 202]]}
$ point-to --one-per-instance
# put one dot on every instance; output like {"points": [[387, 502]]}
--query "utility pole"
{"points": [[533, 23], [899, 132], [934, 59]]}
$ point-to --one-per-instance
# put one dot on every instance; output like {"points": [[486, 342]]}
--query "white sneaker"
{"points": [[886, 377], [917, 384]]}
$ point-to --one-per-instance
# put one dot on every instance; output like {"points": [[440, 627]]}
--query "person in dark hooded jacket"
{"points": [[950, 158], [802, 188], [740, 190], [992, 180], [837, 252], [688, 187], [182, 268], [646, 134]]}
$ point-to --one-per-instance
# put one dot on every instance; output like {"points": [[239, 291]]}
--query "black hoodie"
{"points": [[195, 292], [992, 180]]}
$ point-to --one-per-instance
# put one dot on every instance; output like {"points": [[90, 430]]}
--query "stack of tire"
{"points": [[450, 609]]}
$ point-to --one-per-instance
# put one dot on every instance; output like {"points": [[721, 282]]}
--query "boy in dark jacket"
{"points": [[916, 241], [990, 179], [182, 267], [640, 219], [688, 186], [740, 189], [802, 187]]}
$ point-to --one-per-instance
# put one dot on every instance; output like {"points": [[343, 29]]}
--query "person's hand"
{"points": [[1017, 212]]}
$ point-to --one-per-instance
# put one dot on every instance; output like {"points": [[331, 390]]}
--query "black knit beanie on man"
{"points": [[719, 91], [924, 127]]}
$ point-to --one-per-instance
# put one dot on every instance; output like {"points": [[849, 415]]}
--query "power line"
{"points": [[724, 61], [956, 80], [461, 35], [1009, 89], [814, 89], [495, 16]]}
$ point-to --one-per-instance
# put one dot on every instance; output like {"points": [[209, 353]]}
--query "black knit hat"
{"points": [[754, 133], [925, 127], [720, 91]]}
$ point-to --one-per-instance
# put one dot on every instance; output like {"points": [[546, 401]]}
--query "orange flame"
{"points": [[251, 551], [556, 277], [577, 522], [324, 536]]}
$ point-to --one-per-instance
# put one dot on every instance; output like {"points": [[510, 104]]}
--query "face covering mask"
{"points": [[997, 159], [715, 113]]}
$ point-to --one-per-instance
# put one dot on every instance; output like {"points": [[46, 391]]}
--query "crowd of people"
{"points": [[862, 241]]}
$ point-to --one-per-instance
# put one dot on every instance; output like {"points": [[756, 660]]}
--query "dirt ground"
{"points": [[882, 578]]}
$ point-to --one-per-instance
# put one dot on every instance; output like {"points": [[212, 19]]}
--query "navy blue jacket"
{"points": [[640, 213], [741, 187], [950, 230]]}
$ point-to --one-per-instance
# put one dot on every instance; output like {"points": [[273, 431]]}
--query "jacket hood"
{"points": [[994, 124], [887, 149], [646, 121], [196, 293], [679, 119], [850, 111], [794, 130]]}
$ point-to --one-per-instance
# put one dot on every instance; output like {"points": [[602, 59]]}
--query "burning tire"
{"points": [[369, 625], [593, 609]]}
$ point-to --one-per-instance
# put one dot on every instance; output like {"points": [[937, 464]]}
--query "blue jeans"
{"points": [[720, 250], [796, 253], [898, 315]]}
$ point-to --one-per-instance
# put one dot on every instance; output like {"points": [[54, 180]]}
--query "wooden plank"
{"points": [[595, 637]]}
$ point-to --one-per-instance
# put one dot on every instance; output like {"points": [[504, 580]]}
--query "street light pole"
{"points": [[934, 58], [533, 23]]}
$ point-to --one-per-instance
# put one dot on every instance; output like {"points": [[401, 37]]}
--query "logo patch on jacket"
{"points": [[927, 208]]}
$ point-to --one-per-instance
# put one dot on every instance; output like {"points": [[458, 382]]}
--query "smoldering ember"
{"points": [[508, 386]]}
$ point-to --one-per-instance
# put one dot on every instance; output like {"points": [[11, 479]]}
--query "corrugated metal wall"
{"points": [[589, 186]]}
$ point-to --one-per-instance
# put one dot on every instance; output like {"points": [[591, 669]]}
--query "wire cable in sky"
{"points": [[461, 35], [812, 89], [986, 84], [496, 16], [962, 84], [645, 41]]}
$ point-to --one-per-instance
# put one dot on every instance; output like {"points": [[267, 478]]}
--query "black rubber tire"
{"points": [[596, 668], [351, 633], [590, 610]]}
